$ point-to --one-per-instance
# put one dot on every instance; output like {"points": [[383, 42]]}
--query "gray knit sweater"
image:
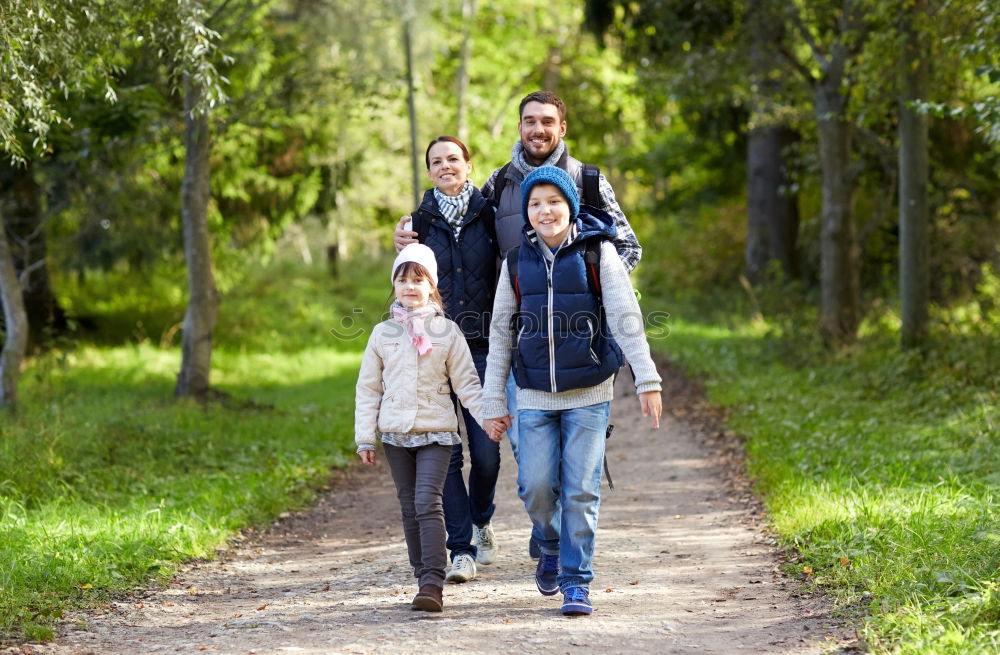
{"points": [[624, 320]]}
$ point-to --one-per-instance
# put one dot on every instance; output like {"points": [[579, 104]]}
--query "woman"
{"points": [[456, 222]]}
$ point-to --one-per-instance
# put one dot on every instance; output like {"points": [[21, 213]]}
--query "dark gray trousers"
{"points": [[419, 476]]}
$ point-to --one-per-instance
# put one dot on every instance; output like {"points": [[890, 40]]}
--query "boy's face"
{"points": [[548, 213]]}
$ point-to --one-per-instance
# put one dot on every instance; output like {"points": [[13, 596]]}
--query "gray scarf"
{"points": [[453, 208], [517, 157]]}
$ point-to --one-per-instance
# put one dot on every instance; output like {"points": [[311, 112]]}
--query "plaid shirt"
{"points": [[625, 242]]}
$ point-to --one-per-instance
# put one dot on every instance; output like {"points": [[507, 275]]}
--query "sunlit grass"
{"points": [[879, 467], [108, 482]]}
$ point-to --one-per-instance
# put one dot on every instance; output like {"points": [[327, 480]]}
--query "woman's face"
{"points": [[412, 290], [448, 169]]}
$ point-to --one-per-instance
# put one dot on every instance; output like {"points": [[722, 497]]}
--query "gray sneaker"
{"points": [[486, 543], [463, 569]]}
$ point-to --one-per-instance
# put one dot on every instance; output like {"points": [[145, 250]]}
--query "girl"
{"points": [[411, 364]]}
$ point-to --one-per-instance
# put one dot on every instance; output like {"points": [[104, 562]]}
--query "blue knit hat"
{"points": [[556, 177]]}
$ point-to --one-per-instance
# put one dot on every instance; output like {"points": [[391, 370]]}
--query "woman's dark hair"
{"points": [[451, 139], [413, 268]]}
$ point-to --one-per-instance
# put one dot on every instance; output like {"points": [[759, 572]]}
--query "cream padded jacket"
{"points": [[399, 391]]}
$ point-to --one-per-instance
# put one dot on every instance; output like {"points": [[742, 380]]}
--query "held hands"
{"points": [[367, 457], [403, 236], [652, 405], [495, 427]]}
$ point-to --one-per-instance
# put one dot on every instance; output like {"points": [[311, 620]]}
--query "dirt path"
{"points": [[682, 567]]}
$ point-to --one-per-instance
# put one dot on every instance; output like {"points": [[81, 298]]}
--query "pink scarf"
{"points": [[414, 320]]}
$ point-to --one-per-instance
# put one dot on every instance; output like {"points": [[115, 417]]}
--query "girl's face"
{"points": [[448, 169], [412, 290], [548, 213]]}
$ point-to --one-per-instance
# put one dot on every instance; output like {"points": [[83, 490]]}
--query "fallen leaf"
{"points": [[262, 607], [844, 561], [609, 590], [807, 570], [634, 582], [86, 586]]}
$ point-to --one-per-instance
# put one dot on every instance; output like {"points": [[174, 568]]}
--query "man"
{"points": [[541, 127]]}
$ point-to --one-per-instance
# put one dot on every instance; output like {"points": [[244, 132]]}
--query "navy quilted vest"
{"points": [[467, 266], [569, 347]]}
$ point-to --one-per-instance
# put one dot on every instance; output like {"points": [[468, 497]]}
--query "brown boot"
{"points": [[429, 598]]}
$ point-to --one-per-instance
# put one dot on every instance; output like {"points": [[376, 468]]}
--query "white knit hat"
{"points": [[420, 254]]}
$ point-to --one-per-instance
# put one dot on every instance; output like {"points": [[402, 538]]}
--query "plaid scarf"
{"points": [[453, 208]]}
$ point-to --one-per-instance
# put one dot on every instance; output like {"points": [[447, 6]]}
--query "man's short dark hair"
{"points": [[546, 98]]}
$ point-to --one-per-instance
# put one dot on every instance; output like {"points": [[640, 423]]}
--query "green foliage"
{"points": [[877, 467]]}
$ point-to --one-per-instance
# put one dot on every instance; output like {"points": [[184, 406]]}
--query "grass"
{"points": [[879, 468], [107, 482]]}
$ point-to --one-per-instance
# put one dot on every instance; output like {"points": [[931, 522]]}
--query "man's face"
{"points": [[541, 129]]}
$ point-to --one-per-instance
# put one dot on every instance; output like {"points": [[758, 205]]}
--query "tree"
{"points": [[15, 325], [914, 274], [833, 33], [46, 49], [772, 204]]}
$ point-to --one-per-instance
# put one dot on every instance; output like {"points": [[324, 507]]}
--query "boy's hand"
{"points": [[495, 427], [402, 236], [652, 405], [367, 457]]}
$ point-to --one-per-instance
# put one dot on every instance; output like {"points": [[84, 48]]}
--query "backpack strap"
{"points": [[591, 185], [592, 260], [499, 182], [512, 273]]}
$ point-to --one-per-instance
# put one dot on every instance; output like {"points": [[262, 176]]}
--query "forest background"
{"points": [[815, 186]]}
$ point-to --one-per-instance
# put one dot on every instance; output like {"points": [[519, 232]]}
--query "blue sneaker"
{"points": [[534, 550], [576, 602], [545, 574]]}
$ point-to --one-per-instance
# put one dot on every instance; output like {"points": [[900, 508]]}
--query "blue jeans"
{"points": [[463, 507], [559, 473]]}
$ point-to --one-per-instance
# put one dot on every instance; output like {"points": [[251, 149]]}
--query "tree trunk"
{"points": [[772, 207], [15, 343], [840, 307], [411, 101], [203, 304], [30, 251], [914, 277], [465, 54]]}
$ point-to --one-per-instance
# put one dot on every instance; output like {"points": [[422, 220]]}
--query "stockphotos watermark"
{"points": [[652, 325]]}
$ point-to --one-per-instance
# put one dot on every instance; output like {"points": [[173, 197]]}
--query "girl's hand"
{"points": [[652, 405], [367, 457]]}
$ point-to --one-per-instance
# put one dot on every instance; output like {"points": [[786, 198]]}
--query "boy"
{"points": [[565, 357]]}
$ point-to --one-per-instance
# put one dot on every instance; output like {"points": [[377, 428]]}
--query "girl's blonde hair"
{"points": [[421, 273]]}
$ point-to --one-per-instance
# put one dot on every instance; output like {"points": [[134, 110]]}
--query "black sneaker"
{"points": [[534, 550], [546, 573], [576, 602]]}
